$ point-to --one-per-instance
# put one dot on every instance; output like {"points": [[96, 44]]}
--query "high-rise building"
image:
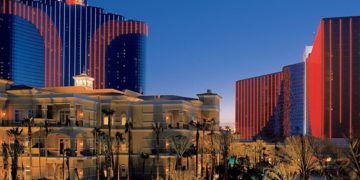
{"points": [[333, 71], [317, 97], [257, 101], [55, 40]]}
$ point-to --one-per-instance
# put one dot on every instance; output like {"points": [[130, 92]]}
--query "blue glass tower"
{"points": [[77, 38]]}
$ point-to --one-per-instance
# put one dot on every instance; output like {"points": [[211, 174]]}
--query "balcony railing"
{"points": [[51, 122]]}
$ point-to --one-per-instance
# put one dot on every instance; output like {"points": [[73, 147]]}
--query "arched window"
{"points": [[123, 119]]}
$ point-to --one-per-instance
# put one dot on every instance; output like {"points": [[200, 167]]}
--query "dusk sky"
{"points": [[195, 45]]}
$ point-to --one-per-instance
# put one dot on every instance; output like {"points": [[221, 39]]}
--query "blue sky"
{"points": [[195, 45]]}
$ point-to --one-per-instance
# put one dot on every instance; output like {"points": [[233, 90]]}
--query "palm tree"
{"points": [[144, 156], [108, 154], [225, 141], [14, 150], [109, 113], [128, 127], [5, 155], [29, 122], [47, 132], [119, 139], [180, 144], [198, 126], [157, 129], [96, 132]]}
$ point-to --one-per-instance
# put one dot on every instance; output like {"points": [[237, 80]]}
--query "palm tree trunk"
{"points": [[129, 154], [118, 162], [197, 152], [39, 153], [30, 147], [14, 166]]}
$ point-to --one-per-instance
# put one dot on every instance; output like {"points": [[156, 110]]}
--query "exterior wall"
{"points": [[67, 52], [332, 73], [256, 105]]}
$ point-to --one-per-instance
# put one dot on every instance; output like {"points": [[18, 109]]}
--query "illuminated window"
{"points": [[106, 120], [123, 119]]}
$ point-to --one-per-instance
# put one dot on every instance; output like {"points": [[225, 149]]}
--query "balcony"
{"points": [[51, 123]]}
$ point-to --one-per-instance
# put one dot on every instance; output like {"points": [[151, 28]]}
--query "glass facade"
{"points": [[124, 67], [26, 51], [294, 122], [77, 37]]}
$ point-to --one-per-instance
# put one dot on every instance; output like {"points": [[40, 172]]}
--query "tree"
{"points": [[200, 126], [299, 151], [47, 132], [119, 139], [14, 150], [29, 123], [5, 155], [180, 144], [128, 128], [353, 156], [144, 156], [97, 133], [109, 113], [108, 154], [226, 138], [157, 130]]}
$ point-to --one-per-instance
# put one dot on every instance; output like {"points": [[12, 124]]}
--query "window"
{"points": [[17, 116], [30, 113], [64, 117], [106, 120], [123, 119]]}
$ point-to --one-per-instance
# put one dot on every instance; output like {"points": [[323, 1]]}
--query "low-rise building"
{"points": [[64, 141]]}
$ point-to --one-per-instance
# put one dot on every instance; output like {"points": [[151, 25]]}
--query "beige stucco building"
{"points": [[72, 113]]}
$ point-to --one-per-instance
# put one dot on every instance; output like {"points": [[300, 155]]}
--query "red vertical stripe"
{"points": [[113, 31], [351, 77], [261, 101], [341, 64], [245, 106], [331, 79], [256, 105], [242, 109], [251, 107], [50, 59], [4, 7]]}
